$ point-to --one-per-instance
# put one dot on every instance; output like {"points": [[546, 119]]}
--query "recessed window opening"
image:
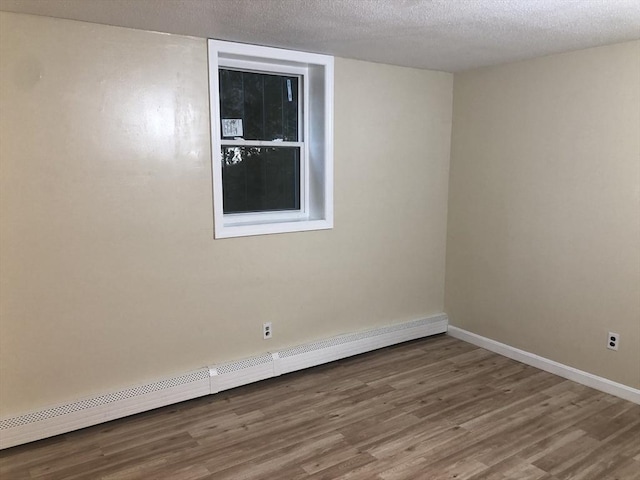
{"points": [[272, 139]]}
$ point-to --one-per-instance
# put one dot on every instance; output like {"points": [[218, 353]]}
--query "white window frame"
{"points": [[315, 138]]}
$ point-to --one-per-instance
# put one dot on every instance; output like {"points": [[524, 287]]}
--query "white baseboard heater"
{"points": [[208, 380]]}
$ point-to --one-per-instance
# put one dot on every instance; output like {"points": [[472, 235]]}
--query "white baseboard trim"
{"points": [[210, 380], [565, 371]]}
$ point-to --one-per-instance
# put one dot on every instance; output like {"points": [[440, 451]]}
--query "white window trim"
{"points": [[316, 162]]}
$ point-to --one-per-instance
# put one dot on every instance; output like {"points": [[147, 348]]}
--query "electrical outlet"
{"points": [[613, 341], [267, 331]]}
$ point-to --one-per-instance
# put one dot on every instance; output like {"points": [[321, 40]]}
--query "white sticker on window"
{"points": [[232, 127], [289, 89]]}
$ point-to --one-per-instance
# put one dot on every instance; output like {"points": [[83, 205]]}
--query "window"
{"points": [[272, 139]]}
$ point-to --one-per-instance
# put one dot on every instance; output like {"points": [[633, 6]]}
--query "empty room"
{"points": [[320, 239]]}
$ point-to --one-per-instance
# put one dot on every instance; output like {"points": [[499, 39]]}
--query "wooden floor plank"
{"points": [[436, 408]]}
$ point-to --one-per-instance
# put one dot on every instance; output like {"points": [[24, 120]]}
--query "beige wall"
{"points": [[110, 275], [543, 248]]}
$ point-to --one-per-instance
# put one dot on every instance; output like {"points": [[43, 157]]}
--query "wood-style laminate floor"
{"points": [[434, 409]]}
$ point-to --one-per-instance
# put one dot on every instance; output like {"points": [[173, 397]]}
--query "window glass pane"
{"points": [[231, 94], [265, 104], [254, 106], [274, 106], [260, 179]]}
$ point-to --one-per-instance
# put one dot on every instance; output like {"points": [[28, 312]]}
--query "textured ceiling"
{"points": [[450, 35]]}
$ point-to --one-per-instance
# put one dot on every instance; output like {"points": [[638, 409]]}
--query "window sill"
{"points": [[251, 229]]}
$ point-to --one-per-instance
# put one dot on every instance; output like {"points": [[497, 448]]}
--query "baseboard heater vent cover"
{"points": [[324, 351], [91, 411], [242, 372], [103, 408]]}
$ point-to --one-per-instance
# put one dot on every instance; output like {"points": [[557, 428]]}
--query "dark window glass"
{"points": [[260, 179], [267, 104]]}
